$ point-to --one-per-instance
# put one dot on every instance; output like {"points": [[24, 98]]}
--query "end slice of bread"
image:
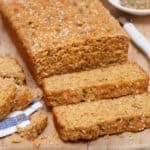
{"points": [[88, 120]]}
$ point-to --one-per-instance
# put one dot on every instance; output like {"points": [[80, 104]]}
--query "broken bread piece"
{"points": [[38, 124], [113, 81], [88, 120], [12, 97]]}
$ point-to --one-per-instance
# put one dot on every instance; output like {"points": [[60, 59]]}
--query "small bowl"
{"points": [[133, 11]]}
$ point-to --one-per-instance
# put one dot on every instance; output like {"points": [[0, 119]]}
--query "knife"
{"points": [[136, 36]]}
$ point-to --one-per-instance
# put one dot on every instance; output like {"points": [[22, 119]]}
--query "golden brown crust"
{"points": [[114, 81], [38, 124], [88, 120], [74, 42]]}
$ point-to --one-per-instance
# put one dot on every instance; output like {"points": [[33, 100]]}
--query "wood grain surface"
{"points": [[49, 139]]}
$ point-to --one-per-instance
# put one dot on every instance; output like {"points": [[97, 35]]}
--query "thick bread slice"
{"points": [[16, 94], [9, 68], [64, 36], [7, 94], [88, 120], [92, 85]]}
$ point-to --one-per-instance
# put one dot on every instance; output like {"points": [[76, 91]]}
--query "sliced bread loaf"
{"points": [[92, 85], [64, 36], [88, 120]]}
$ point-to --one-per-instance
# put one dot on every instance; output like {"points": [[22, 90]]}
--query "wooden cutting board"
{"points": [[49, 139]]}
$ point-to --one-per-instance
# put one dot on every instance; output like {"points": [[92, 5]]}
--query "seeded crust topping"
{"points": [[54, 22]]}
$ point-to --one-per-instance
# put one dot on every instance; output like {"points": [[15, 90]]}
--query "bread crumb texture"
{"points": [[38, 124], [7, 94], [14, 94]]}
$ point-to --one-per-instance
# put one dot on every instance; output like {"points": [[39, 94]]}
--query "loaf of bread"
{"points": [[14, 94], [57, 37], [113, 81], [88, 120]]}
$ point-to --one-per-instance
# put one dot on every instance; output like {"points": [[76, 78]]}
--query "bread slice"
{"points": [[92, 85], [57, 37], [7, 94], [88, 120], [11, 70], [38, 124], [15, 95]]}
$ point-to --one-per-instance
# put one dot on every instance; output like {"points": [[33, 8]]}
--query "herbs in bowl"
{"points": [[134, 7], [137, 4]]}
